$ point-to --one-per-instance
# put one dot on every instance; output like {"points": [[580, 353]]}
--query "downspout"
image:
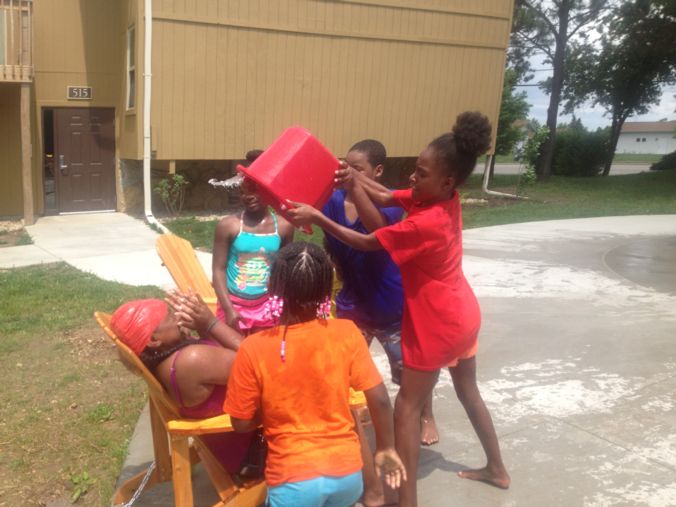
{"points": [[484, 184], [147, 93]]}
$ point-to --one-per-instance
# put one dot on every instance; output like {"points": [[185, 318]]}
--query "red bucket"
{"points": [[295, 167]]}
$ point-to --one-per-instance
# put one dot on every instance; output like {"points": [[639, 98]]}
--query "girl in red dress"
{"points": [[441, 316]]}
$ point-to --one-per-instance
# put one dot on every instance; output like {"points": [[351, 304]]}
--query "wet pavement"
{"points": [[577, 365]]}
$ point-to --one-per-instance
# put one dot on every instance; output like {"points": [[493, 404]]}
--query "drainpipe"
{"points": [[147, 92], [484, 185]]}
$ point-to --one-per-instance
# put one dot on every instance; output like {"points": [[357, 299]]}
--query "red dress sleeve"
{"points": [[404, 198]]}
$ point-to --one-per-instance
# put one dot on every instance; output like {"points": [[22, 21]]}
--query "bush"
{"points": [[172, 192], [579, 152], [666, 162]]}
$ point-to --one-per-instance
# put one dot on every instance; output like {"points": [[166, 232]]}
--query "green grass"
{"points": [[201, 233], [68, 407], [564, 197], [65, 298], [628, 158]]}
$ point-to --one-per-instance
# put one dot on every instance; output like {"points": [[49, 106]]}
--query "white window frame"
{"points": [[130, 99], [3, 37]]}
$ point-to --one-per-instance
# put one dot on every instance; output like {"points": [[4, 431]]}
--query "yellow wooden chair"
{"points": [[177, 445], [179, 257]]}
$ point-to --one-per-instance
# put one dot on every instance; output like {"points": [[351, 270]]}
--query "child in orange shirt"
{"points": [[294, 379]]}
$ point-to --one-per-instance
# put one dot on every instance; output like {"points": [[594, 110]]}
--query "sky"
{"points": [[593, 118]]}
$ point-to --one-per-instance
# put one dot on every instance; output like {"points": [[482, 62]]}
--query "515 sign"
{"points": [[79, 93]]}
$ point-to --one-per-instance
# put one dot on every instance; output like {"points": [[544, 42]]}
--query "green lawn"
{"points": [[68, 407], [562, 197], [628, 158]]}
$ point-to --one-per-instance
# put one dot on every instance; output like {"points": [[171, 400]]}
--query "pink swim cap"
{"points": [[135, 322]]}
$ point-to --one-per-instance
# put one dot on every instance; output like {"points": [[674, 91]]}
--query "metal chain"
{"points": [[138, 492]]}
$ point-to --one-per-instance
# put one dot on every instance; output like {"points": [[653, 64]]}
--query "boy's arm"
{"points": [[369, 214], [386, 458], [223, 238]]}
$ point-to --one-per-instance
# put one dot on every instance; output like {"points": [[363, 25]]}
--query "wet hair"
{"points": [[459, 149], [374, 150], [251, 156], [302, 276], [152, 357]]}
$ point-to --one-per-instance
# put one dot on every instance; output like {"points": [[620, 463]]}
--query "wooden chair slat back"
{"points": [[179, 257], [165, 405]]}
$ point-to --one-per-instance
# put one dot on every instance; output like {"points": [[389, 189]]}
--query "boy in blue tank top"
{"points": [[243, 248]]}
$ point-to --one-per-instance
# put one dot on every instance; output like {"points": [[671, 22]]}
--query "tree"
{"points": [[514, 107], [625, 71], [547, 26]]}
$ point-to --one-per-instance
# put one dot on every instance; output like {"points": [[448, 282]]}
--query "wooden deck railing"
{"points": [[16, 41]]}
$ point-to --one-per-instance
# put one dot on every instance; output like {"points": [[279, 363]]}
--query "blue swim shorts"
{"points": [[324, 491]]}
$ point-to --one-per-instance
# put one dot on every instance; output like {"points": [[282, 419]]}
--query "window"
{"points": [[131, 67], [638, 139], [643, 140]]}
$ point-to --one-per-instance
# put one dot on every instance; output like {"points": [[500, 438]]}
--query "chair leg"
{"points": [[129, 487], [180, 462], [160, 444]]}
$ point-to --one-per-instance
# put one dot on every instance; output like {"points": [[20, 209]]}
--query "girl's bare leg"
{"points": [[416, 388], [464, 382], [429, 435]]}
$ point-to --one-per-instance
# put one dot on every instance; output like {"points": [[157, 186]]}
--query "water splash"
{"points": [[229, 183]]}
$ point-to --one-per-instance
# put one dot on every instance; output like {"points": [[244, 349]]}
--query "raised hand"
{"points": [[389, 465], [301, 215], [191, 311], [345, 176]]}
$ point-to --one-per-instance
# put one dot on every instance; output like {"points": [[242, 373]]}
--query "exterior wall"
{"points": [[229, 76], [11, 194], [655, 142]]}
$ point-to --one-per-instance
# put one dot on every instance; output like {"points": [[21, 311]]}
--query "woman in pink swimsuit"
{"points": [[193, 371]]}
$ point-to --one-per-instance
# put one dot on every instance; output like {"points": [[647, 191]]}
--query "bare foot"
{"points": [[428, 431], [498, 479]]}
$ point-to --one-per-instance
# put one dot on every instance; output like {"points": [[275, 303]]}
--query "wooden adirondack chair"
{"points": [[177, 445], [179, 257]]}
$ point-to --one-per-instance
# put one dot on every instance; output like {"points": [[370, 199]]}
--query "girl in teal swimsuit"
{"points": [[242, 256]]}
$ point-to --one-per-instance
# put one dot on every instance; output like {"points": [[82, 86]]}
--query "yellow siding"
{"points": [[11, 193], [230, 75]]}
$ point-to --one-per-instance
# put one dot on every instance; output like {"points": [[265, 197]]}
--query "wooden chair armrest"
{"points": [[357, 399], [217, 424]]}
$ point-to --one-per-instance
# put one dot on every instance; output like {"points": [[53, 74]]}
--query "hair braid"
{"points": [[302, 276]]}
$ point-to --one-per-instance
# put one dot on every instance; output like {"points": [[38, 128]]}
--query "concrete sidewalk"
{"points": [[577, 361], [113, 246]]}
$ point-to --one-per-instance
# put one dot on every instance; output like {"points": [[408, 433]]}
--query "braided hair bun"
{"points": [[472, 133]]}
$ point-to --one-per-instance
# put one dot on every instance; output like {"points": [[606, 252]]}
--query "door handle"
{"points": [[62, 164]]}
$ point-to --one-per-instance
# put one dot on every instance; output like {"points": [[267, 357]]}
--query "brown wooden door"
{"points": [[85, 159]]}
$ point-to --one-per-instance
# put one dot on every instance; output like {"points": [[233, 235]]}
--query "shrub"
{"points": [[666, 162], [579, 152], [172, 192]]}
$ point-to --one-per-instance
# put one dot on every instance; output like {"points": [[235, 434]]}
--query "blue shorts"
{"points": [[324, 491], [390, 339]]}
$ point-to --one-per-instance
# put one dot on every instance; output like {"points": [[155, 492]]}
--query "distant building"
{"points": [[647, 137], [227, 76]]}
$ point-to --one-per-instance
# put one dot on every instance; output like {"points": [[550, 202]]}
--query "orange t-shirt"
{"points": [[303, 400]]}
